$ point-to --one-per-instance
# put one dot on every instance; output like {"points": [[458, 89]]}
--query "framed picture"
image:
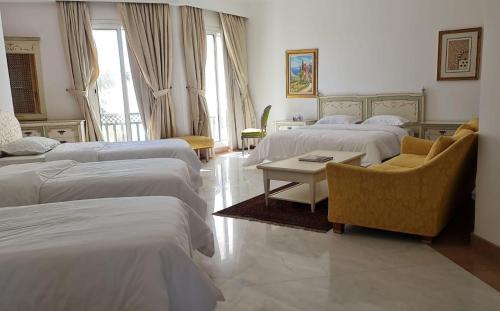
{"points": [[459, 54], [302, 73]]}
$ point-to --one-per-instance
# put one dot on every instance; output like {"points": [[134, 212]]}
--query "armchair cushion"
{"points": [[386, 168], [472, 125], [461, 133], [407, 160], [412, 145], [252, 133], [199, 142], [440, 145]]}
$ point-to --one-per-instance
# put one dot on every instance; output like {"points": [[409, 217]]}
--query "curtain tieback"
{"points": [[160, 93], [196, 91], [75, 92]]}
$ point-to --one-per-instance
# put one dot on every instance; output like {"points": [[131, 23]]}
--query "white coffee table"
{"points": [[311, 176]]}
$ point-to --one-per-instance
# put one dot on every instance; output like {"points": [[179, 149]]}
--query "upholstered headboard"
{"points": [[342, 105], [408, 105], [10, 129]]}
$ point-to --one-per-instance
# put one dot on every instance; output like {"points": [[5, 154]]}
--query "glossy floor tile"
{"points": [[266, 267]]}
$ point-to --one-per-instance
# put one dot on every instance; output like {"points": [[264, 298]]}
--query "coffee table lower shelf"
{"points": [[301, 193]]}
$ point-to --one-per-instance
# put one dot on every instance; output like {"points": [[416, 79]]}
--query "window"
{"points": [[120, 117], [216, 88]]}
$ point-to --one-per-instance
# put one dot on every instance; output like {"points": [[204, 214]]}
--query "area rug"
{"points": [[282, 213]]}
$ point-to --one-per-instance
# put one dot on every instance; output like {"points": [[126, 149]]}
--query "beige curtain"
{"points": [[81, 54], [235, 114], [149, 35], [235, 41], [195, 54]]}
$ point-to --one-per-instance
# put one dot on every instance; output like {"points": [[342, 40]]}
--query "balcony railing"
{"points": [[114, 127]]}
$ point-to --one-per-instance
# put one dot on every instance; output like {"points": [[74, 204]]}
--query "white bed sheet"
{"points": [[377, 141], [59, 181], [106, 254], [102, 151]]}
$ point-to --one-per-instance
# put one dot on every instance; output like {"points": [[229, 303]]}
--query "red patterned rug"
{"points": [[282, 213]]}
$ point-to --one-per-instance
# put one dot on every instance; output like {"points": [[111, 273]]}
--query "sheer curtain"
{"points": [[241, 113], [195, 54], [149, 35], [81, 54]]}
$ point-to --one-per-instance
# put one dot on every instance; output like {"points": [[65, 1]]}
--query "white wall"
{"points": [[41, 20], [364, 46], [5, 94], [488, 179]]}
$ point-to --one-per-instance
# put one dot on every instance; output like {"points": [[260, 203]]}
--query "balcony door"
{"points": [[120, 117], [216, 88]]}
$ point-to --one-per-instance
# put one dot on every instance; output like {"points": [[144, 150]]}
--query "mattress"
{"points": [[21, 159], [103, 151], [59, 181], [106, 254]]}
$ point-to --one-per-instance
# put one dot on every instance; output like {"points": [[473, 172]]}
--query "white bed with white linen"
{"points": [[10, 132], [65, 180], [105, 254], [374, 125]]}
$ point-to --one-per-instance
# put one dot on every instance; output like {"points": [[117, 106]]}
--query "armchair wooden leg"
{"points": [[338, 228], [427, 239]]}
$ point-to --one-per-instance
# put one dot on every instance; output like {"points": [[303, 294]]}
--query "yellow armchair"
{"points": [[413, 193]]}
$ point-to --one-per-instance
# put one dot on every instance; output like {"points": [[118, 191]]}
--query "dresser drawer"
{"points": [[434, 133], [63, 134], [31, 132], [288, 127], [65, 131]]}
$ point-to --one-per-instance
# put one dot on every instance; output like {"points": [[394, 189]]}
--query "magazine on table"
{"points": [[315, 158]]}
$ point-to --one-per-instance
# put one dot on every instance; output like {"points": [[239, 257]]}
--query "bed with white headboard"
{"points": [[379, 142], [410, 106]]}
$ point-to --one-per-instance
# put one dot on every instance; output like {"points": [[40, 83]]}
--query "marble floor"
{"points": [[266, 267]]}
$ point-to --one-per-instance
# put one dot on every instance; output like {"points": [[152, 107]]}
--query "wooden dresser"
{"points": [[433, 130], [286, 125], [65, 131]]}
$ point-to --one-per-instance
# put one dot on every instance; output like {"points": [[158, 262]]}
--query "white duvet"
{"points": [[377, 141], [106, 254], [58, 181], [102, 151]]}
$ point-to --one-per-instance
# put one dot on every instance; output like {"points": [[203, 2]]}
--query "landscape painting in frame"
{"points": [[459, 54], [302, 73]]}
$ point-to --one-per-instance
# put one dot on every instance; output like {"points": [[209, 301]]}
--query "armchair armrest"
{"points": [[413, 145]]}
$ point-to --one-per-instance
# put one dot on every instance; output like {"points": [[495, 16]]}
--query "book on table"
{"points": [[315, 158]]}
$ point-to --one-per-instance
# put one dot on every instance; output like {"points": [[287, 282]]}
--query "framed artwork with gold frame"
{"points": [[302, 73], [459, 54], [24, 66]]}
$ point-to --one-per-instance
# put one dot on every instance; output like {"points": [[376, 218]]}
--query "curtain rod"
{"points": [[241, 9]]}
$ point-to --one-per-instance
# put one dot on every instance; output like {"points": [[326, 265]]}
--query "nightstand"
{"points": [[432, 130], [286, 125]]}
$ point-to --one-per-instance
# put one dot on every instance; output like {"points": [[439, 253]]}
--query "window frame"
{"points": [[118, 28], [217, 32]]}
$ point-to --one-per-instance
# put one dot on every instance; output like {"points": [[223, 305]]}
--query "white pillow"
{"points": [[387, 120], [30, 146], [338, 119]]}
